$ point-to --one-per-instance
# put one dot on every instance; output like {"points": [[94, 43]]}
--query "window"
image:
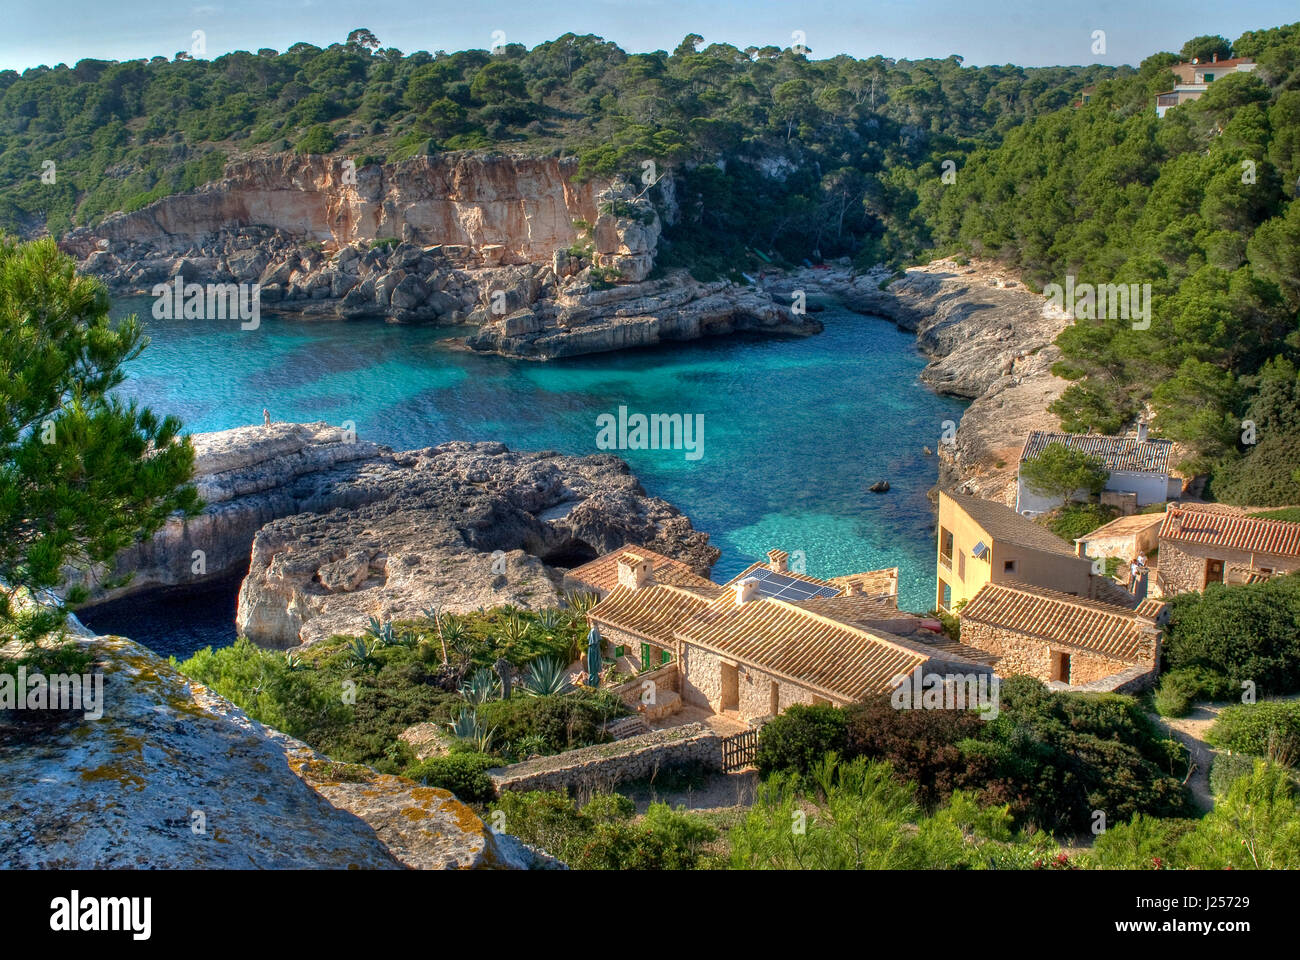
{"points": [[1008, 566], [945, 547], [664, 657], [945, 596], [620, 651]]}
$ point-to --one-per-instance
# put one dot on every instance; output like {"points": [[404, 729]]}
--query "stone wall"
{"points": [[665, 680], [701, 685], [603, 766], [1020, 654], [1182, 565]]}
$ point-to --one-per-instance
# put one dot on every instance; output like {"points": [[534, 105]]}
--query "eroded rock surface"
{"points": [[174, 776], [460, 525]]}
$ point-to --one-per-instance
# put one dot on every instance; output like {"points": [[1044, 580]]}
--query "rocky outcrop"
{"points": [[173, 776], [988, 338], [581, 320], [459, 526]]}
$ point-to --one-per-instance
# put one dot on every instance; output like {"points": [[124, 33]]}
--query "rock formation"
{"points": [[461, 525], [340, 529], [510, 243], [173, 776], [988, 338]]}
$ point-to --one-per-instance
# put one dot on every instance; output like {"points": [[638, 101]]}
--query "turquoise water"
{"points": [[795, 430]]}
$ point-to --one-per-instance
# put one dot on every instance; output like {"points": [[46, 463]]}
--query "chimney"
{"points": [[1142, 431], [634, 571], [852, 588], [778, 561], [746, 590], [1216, 58]]}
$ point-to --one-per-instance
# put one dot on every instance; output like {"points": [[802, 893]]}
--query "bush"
{"points": [[1174, 696], [799, 738], [1226, 768], [1238, 633], [1268, 729], [1076, 520], [461, 773], [553, 723], [316, 140]]}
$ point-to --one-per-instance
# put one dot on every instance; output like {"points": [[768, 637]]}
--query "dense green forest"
{"points": [[1202, 206], [778, 157], [844, 140]]}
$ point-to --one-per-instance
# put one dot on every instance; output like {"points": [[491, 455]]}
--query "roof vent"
{"points": [[746, 590]]}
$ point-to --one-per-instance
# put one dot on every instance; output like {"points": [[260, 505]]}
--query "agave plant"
{"points": [[467, 728], [480, 687], [580, 602], [549, 620], [360, 653], [546, 676], [381, 632], [292, 661], [515, 629]]}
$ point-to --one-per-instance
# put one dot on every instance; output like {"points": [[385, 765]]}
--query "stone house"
{"points": [[983, 542], [770, 637], [1064, 639], [1137, 466], [1202, 544], [1124, 537]]}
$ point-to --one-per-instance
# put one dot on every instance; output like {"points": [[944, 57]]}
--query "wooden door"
{"points": [[1213, 572]]}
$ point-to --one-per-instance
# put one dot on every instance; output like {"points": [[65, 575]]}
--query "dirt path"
{"points": [[1190, 732]]}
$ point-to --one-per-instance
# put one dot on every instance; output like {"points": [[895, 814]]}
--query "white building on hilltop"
{"points": [[1138, 467]]}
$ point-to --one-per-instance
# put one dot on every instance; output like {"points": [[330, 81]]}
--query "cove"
{"points": [[797, 429]]}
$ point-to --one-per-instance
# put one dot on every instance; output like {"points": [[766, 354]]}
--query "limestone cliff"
{"points": [[989, 339], [173, 776]]}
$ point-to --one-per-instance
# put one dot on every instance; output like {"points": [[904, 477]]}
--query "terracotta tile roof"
{"points": [[1151, 608], [652, 613], [813, 651], [1088, 625], [602, 573], [853, 609], [1117, 453], [1002, 523], [938, 643], [762, 564], [1125, 526], [1233, 531]]}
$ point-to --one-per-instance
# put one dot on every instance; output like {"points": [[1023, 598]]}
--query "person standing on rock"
{"points": [[266, 417]]}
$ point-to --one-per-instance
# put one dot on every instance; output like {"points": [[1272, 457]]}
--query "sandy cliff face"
{"points": [[522, 208]]}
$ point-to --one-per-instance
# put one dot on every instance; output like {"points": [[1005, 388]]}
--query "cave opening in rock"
{"points": [[573, 554], [172, 621]]}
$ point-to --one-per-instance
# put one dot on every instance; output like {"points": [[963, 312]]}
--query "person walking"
{"points": [[266, 417]]}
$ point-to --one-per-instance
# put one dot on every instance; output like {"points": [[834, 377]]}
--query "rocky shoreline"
{"points": [[340, 530], [988, 339]]}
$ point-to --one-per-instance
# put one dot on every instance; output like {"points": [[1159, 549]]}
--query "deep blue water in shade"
{"points": [[795, 430]]}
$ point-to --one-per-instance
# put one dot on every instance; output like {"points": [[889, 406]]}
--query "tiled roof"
{"points": [[1089, 625], [852, 609], [803, 647], [1125, 526], [602, 573], [650, 612], [1117, 453], [761, 564], [1233, 531], [1003, 523]]}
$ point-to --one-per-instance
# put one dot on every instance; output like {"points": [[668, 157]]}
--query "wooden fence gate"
{"points": [[739, 750]]}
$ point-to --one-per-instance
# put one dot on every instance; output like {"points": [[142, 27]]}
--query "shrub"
{"points": [[800, 737], [1076, 520], [316, 140], [1174, 696], [920, 745], [1267, 729], [551, 724], [1227, 768], [464, 774], [1144, 843], [1240, 633]]}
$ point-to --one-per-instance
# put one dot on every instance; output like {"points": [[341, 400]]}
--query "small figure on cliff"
{"points": [[266, 417]]}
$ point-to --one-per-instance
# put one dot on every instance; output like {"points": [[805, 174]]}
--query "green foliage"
{"points": [[1059, 471], [1174, 696], [552, 723], [1234, 634], [602, 834], [799, 737], [463, 773], [1227, 768], [546, 677], [82, 475], [1075, 520], [1269, 728]]}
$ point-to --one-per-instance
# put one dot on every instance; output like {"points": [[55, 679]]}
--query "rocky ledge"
{"points": [[340, 530], [173, 776], [988, 338]]}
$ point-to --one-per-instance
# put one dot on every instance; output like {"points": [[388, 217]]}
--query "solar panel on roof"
{"points": [[979, 549], [781, 586]]}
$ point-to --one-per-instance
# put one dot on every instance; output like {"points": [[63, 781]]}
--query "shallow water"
{"points": [[794, 430]]}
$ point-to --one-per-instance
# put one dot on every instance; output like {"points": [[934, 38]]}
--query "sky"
{"points": [[1024, 32]]}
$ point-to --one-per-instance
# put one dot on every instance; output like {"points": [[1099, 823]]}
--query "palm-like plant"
{"points": [[381, 632], [580, 602], [434, 615], [546, 676], [360, 653], [480, 687], [467, 728], [515, 629], [549, 620]]}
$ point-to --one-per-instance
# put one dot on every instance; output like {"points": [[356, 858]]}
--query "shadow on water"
{"points": [[175, 621]]}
